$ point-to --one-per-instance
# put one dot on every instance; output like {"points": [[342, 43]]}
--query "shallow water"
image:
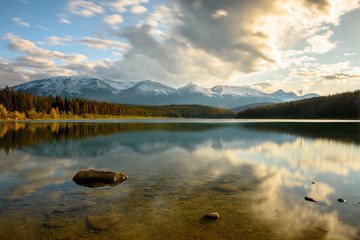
{"points": [[254, 174]]}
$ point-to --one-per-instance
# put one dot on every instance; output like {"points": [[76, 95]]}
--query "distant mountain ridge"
{"points": [[153, 93]]}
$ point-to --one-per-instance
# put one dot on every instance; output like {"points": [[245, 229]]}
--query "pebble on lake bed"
{"points": [[101, 222], [213, 215], [341, 200], [310, 199]]}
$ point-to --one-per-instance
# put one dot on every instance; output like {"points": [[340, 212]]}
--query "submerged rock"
{"points": [[341, 200], [97, 178], [54, 224], [75, 207], [101, 222], [310, 199], [213, 215]]}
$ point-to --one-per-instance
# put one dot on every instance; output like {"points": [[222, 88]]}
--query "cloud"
{"points": [[121, 5], [350, 54], [338, 71], [264, 86], [219, 14], [253, 34], [138, 9], [340, 76], [161, 21], [12, 75], [207, 42], [10, 36], [37, 63], [41, 27], [21, 23], [320, 43], [23, 45], [113, 19], [34, 62], [89, 68], [166, 60], [63, 18], [84, 8], [325, 78], [103, 43], [53, 40]]}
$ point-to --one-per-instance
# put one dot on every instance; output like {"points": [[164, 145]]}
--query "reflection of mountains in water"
{"points": [[347, 132], [158, 137]]}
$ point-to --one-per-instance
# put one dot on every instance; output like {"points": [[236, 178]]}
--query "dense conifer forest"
{"points": [[338, 106], [22, 106]]}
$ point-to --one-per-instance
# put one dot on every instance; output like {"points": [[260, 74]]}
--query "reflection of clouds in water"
{"points": [[287, 162], [321, 192], [310, 157], [295, 217], [319, 156], [34, 172]]}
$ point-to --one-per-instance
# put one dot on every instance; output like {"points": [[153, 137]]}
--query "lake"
{"points": [[255, 174]]}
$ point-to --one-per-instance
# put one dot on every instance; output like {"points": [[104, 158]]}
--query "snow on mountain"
{"points": [[151, 87], [119, 85], [193, 88], [153, 93], [237, 91], [60, 85], [285, 96]]}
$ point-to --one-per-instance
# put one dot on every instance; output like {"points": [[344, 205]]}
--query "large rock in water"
{"points": [[97, 178]]}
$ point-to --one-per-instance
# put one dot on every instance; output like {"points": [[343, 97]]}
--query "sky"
{"points": [[304, 46]]}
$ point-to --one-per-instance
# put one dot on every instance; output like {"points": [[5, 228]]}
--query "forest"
{"points": [[23, 106], [337, 106]]}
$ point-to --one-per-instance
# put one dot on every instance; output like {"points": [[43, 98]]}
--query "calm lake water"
{"points": [[255, 174]]}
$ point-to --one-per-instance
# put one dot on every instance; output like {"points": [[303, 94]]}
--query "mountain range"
{"points": [[153, 93]]}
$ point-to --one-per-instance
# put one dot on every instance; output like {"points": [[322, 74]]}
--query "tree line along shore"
{"points": [[15, 105], [337, 106]]}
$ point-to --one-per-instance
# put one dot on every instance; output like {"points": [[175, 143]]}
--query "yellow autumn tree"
{"points": [[3, 112]]}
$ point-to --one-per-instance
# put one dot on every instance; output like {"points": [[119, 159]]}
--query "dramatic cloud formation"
{"points": [[207, 42]]}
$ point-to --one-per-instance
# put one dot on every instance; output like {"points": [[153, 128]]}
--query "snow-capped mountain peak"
{"points": [[153, 93], [193, 88], [119, 85], [151, 87], [285, 96], [236, 91]]}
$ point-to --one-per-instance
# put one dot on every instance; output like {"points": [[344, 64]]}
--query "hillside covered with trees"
{"points": [[22, 106], [338, 106]]}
